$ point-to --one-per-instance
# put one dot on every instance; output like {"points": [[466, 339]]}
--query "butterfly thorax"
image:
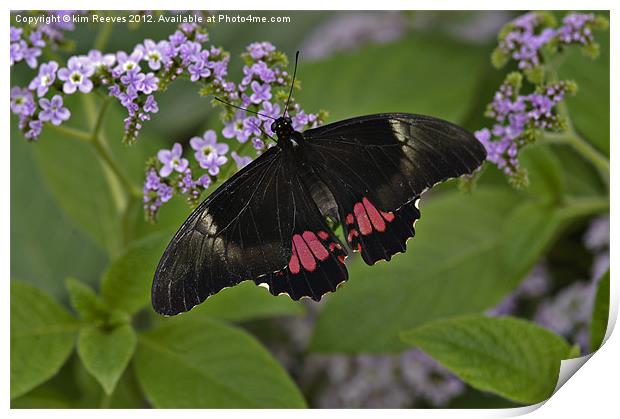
{"points": [[287, 136]]}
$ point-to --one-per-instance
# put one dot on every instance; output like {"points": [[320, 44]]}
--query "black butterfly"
{"points": [[268, 223]]}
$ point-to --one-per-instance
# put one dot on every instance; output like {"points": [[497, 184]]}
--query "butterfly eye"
{"points": [[274, 126]]}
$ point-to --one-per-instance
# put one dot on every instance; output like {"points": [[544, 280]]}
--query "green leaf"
{"points": [[198, 363], [247, 301], [589, 108], [126, 285], [461, 261], [44, 252], [600, 314], [544, 172], [79, 182], [106, 352], [42, 337], [506, 356], [526, 234], [417, 74], [84, 301], [74, 387]]}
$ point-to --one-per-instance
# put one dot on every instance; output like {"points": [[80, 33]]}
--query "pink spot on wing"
{"points": [[304, 253], [352, 233], [389, 216], [349, 219], [315, 245], [323, 235], [293, 264], [362, 219], [375, 217]]}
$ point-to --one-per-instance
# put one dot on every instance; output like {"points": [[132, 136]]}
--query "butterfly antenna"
{"points": [[292, 84], [243, 109], [263, 131]]}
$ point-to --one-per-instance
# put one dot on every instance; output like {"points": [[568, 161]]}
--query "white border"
{"points": [[592, 392]]}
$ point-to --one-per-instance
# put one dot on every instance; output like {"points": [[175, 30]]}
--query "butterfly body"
{"points": [[269, 222]]}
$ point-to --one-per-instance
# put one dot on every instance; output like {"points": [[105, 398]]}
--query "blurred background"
{"points": [[351, 63]]}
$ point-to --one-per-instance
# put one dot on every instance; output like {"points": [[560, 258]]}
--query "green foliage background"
{"points": [[94, 341]]}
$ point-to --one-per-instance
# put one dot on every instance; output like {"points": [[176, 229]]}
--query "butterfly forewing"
{"points": [[378, 166], [240, 232]]}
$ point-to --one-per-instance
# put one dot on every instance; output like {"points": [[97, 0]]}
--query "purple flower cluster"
{"points": [[577, 29], [174, 176], [130, 78], [27, 42], [263, 89], [263, 85], [133, 78], [524, 37], [517, 118]]}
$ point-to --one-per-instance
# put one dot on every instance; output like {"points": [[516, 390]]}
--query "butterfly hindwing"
{"points": [[261, 225], [316, 263], [378, 166]]}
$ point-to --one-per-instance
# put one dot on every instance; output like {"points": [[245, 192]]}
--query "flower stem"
{"points": [[591, 154], [76, 133], [103, 36], [579, 207]]}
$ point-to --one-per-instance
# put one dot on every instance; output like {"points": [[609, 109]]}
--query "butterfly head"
{"points": [[283, 127]]}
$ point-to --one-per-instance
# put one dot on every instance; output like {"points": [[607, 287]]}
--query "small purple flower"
{"points": [[251, 126], [258, 144], [172, 160], [148, 84], [270, 111], [212, 162], [236, 129], [575, 30], [189, 50], [35, 129], [206, 145], [241, 161], [16, 33], [165, 192], [16, 51], [53, 110], [260, 92], [154, 53], [177, 38], [128, 62], [45, 78], [150, 105], [133, 78], [76, 75], [263, 71], [21, 101], [259, 50], [152, 180], [30, 56], [99, 60], [198, 70], [204, 181], [36, 39]]}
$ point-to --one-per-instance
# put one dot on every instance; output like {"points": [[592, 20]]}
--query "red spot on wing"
{"points": [[389, 216], [315, 245], [323, 235], [293, 264], [363, 221], [352, 233], [304, 253], [375, 217], [349, 219]]}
